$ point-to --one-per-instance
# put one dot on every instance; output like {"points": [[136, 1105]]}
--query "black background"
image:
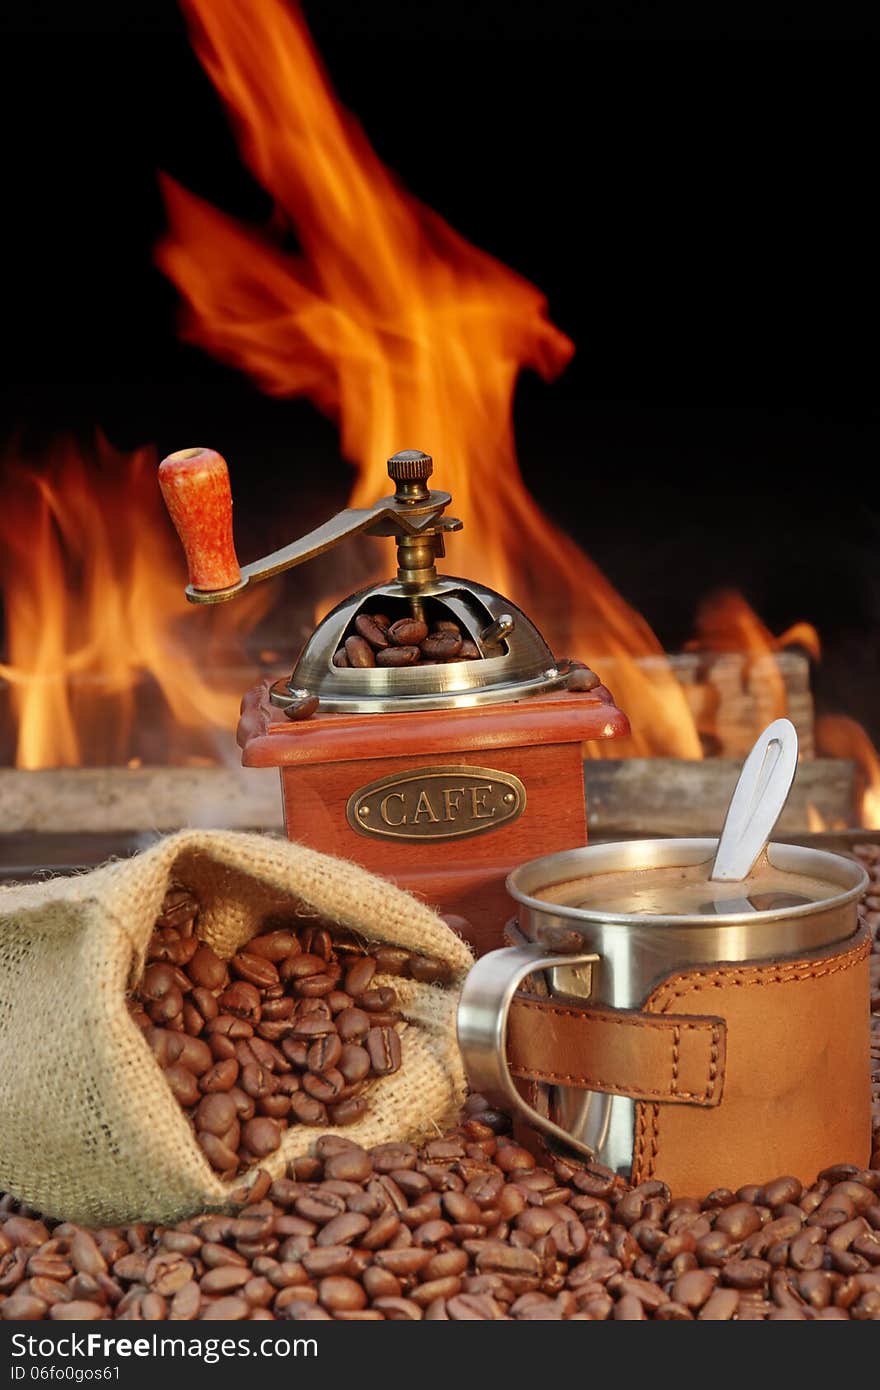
{"points": [[699, 214]]}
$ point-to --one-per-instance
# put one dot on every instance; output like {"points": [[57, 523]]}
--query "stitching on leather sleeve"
{"points": [[742, 976], [676, 1044], [595, 1083], [608, 1020]]}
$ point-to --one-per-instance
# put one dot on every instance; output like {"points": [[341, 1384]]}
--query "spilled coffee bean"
{"points": [[469, 1226]]}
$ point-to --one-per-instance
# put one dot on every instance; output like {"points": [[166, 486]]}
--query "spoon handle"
{"points": [[757, 801]]}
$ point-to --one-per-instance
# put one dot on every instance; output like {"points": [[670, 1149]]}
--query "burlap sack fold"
{"points": [[89, 1130]]}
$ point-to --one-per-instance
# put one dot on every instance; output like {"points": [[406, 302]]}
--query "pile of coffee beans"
{"points": [[292, 1029], [377, 641], [468, 1226]]}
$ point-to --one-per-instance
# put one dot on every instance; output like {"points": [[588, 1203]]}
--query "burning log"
{"points": [[668, 796], [732, 696]]}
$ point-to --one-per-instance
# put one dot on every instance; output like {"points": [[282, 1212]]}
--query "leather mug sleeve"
{"points": [[673, 1059], [797, 1085]]}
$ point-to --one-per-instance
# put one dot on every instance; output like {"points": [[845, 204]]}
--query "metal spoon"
{"points": [[757, 802]]}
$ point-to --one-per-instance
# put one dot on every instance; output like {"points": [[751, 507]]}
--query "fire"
{"points": [[397, 327], [92, 590], [838, 736], [726, 623]]}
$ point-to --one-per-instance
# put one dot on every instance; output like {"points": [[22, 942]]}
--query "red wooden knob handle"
{"points": [[195, 486]]}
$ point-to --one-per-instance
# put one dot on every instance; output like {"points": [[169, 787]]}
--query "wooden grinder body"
{"points": [[463, 795]]}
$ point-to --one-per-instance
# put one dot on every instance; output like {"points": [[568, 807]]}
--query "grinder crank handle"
{"points": [[195, 486]]}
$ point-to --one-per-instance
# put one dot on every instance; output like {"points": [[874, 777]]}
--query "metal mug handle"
{"points": [[486, 996]]}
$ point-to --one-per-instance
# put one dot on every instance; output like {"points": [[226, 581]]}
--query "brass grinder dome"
{"points": [[513, 666], [514, 660]]}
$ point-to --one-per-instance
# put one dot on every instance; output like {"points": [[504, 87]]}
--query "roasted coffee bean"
{"points": [[158, 980], [428, 971], [359, 975], [308, 1109], [298, 967], [325, 1053], [408, 632], [275, 945], [343, 1229], [353, 1024], [398, 656], [383, 1047], [184, 1086], [377, 1001], [268, 1056], [325, 1086], [745, 1274], [225, 1160], [192, 1053], [313, 1008], [582, 679], [244, 1105], [349, 1111], [242, 1001], [782, 1191], [255, 969], [341, 1294], [303, 707], [216, 1113], [78, 1310], [261, 1136], [392, 960], [180, 908], [256, 1081], [167, 1008], [314, 986], [277, 1010], [206, 969], [222, 1076], [353, 1062], [359, 652], [371, 631], [230, 1027], [340, 658], [351, 1164], [738, 1221], [305, 1030], [441, 646]]}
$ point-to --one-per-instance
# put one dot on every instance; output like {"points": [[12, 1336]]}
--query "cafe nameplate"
{"points": [[436, 803]]}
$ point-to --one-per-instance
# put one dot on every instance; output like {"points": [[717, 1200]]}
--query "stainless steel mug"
{"points": [[617, 959]]}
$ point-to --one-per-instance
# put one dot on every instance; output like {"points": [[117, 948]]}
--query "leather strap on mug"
{"points": [[674, 1059]]}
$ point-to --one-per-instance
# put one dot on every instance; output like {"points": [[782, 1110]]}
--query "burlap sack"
{"points": [[89, 1130]]}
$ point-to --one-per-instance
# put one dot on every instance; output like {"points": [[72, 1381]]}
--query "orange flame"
{"points": [[397, 327], [92, 589], [407, 335], [838, 736], [726, 623]]}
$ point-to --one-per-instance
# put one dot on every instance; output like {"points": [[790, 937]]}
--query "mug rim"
{"points": [[575, 858]]}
